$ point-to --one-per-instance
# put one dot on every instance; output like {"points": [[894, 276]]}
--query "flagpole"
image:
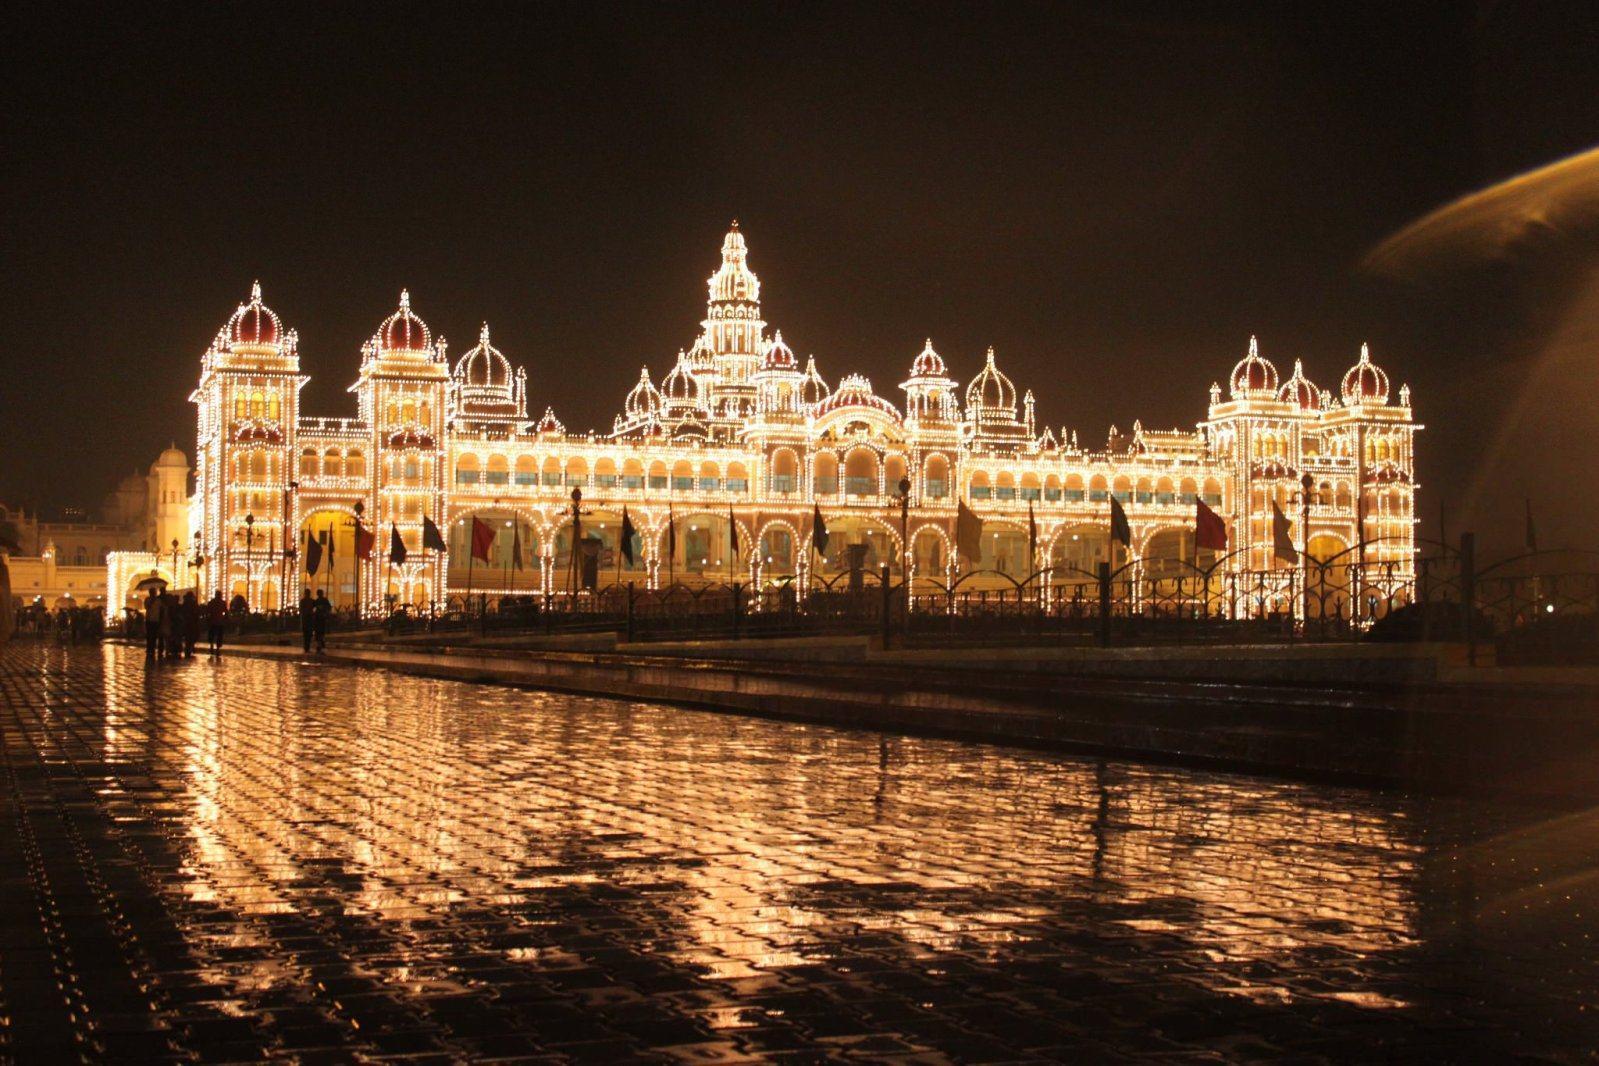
{"points": [[671, 547], [471, 557]]}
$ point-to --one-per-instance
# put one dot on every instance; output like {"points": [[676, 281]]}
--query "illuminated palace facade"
{"points": [[740, 430]]}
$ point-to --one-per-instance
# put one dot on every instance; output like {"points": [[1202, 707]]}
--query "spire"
{"points": [[483, 335], [405, 299], [255, 292], [1254, 347]]}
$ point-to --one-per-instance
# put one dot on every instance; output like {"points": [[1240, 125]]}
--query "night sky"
{"points": [[1113, 196]]}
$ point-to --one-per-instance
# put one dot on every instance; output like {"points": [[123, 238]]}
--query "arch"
{"points": [[862, 472], [703, 547], [527, 470], [354, 463], [1076, 550], [894, 471], [784, 475], [577, 471], [879, 537], [824, 474], [329, 523], [498, 470], [332, 463], [466, 470], [308, 463], [778, 543], [931, 551]]}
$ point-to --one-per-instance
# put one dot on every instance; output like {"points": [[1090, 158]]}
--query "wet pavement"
{"points": [[217, 861]]}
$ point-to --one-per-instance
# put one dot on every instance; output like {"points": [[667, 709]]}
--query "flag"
{"points": [[1032, 537], [327, 537], [968, 533], [516, 546], [1120, 529], [732, 533], [397, 552], [1282, 542], [1532, 530], [482, 539], [313, 554], [671, 535], [365, 539], [589, 562], [1209, 529], [628, 533], [818, 531], [432, 539]]}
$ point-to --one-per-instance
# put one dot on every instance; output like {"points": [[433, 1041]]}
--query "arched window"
{"points": [[354, 463], [466, 470], [332, 465], [785, 471], [860, 473], [308, 463], [935, 484], [980, 488], [499, 470], [893, 474], [824, 474]]}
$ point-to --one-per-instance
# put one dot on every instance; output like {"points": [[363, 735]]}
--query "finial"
{"points": [[1365, 352], [1299, 368], [990, 355], [255, 292], [483, 335], [405, 299], [1254, 347], [735, 225], [927, 345]]}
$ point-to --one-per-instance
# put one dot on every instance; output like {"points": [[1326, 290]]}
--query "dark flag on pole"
{"points": [[671, 534], [482, 539], [628, 533], [1532, 530], [365, 540], [1282, 541], [1120, 529], [1209, 529], [732, 532], [516, 546], [968, 533], [328, 534], [313, 554], [818, 531], [432, 539], [397, 552], [1032, 538]]}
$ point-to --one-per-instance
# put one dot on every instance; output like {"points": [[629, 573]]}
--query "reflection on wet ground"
{"points": [[236, 859]]}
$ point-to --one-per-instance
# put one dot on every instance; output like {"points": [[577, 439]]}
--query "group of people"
{"points": [[172, 626], [66, 625]]}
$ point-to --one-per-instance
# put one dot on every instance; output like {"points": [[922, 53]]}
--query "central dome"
{"points": [[403, 331], [991, 390], [254, 323]]}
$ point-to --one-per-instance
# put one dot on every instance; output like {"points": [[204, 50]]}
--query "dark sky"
{"points": [[1114, 196]]}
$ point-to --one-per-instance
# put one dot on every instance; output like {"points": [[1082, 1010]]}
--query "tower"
{"points": [[169, 501], [403, 391], [249, 401], [734, 333]]}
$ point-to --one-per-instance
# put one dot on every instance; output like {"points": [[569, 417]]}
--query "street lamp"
{"points": [[198, 561], [288, 548], [249, 562], [174, 561], [905, 544]]}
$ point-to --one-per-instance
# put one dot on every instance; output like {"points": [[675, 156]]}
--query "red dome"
{"points": [[403, 331], [1253, 374], [779, 356], [928, 363], [1299, 390], [1365, 382], [254, 322]]}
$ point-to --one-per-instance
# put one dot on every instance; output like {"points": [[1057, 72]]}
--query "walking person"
{"points": [[307, 619], [321, 612], [216, 617], [153, 648], [190, 615]]}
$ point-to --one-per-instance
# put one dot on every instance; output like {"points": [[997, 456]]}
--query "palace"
{"points": [[735, 446]]}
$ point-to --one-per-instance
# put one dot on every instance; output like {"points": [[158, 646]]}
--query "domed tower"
{"points": [[813, 390], [734, 332], [930, 391], [681, 395], [1381, 436], [1300, 392], [167, 513], [404, 395], [248, 402], [991, 408], [777, 385], [641, 412], [485, 394]]}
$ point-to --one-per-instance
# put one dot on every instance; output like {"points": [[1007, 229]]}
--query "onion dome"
{"points": [[1299, 391], [991, 391], [645, 399], [679, 386], [549, 425], [701, 359], [484, 368], [856, 391], [928, 364], [403, 331], [255, 323], [172, 457], [734, 280], [813, 390], [779, 356], [1253, 377], [1366, 382]]}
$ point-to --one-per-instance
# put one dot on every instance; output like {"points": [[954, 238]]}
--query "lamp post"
{"points": [[1307, 494], [905, 547], [249, 562], [360, 509], [174, 561], [197, 562]]}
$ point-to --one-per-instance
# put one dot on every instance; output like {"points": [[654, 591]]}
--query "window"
{"points": [[682, 484], [856, 485], [782, 483], [632, 481], [826, 485], [1006, 492], [937, 488], [737, 484], [657, 481], [1053, 495], [463, 476], [982, 492], [710, 484]]}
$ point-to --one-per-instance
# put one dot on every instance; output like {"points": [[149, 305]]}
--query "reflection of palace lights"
{"points": [[741, 429]]}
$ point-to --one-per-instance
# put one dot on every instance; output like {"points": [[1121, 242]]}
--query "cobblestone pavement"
{"points": [[241, 859]]}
